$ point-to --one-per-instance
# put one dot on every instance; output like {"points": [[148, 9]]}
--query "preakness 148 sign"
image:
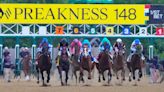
{"points": [[72, 14]]}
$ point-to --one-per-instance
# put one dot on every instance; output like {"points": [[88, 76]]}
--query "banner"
{"points": [[156, 14], [73, 13]]}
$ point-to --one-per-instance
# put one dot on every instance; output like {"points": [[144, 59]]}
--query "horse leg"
{"points": [[134, 76], [98, 68], [109, 76], [81, 75], [60, 74], [66, 78], [140, 74], [43, 78], [48, 76], [89, 70], [123, 74], [116, 75], [74, 72], [130, 71], [133, 72], [102, 72], [37, 70]]}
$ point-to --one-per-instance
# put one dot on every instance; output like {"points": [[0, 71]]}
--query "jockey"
{"points": [[63, 43], [26, 51], [7, 64], [133, 49], [84, 44], [105, 44], [75, 41], [118, 44]]}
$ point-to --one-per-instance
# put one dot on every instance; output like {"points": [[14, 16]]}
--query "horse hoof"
{"points": [[48, 81], [138, 79], [123, 79], [130, 80], [135, 84], [99, 80], [117, 78], [89, 78], [37, 82], [62, 84], [44, 85]]}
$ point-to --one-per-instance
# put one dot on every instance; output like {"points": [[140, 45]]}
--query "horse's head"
{"points": [[77, 48], [121, 49], [106, 47], [45, 50], [64, 50]]}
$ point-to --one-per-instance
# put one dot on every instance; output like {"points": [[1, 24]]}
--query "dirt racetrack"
{"points": [[31, 86]]}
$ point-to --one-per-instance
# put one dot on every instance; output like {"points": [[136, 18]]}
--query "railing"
{"points": [[84, 30]]}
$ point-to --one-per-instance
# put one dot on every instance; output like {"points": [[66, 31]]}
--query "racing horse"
{"points": [[43, 63], [75, 61], [104, 64], [135, 65], [118, 63], [85, 64], [26, 65], [63, 65]]}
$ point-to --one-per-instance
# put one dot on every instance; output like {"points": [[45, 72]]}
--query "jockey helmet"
{"points": [[44, 40], [26, 48], [137, 41], [105, 40], [6, 48], [76, 40], [119, 40], [86, 42], [63, 40]]}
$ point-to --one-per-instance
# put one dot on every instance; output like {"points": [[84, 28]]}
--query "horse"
{"points": [[135, 66], [118, 64], [26, 65], [103, 65], [43, 64], [85, 64], [75, 63], [63, 65]]}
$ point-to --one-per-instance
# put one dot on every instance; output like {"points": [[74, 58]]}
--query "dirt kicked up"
{"points": [[31, 86]]}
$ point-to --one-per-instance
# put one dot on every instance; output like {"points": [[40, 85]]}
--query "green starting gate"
{"points": [[17, 60], [151, 48], [1, 59]]}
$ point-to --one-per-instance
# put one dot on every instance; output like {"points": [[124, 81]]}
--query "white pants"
{"points": [[7, 74]]}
